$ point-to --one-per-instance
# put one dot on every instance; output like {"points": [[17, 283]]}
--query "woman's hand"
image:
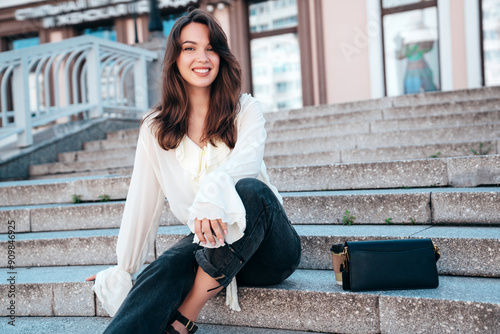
{"points": [[91, 278], [206, 228]]}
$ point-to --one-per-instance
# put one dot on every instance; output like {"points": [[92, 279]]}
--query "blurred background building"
{"points": [[301, 52]]}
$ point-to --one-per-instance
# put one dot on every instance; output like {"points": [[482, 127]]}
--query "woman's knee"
{"points": [[174, 261], [252, 190]]}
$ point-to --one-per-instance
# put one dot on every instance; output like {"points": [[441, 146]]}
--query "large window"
{"points": [[275, 54], [169, 21], [107, 32], [22, 41], [411, 54], [490, 12]]}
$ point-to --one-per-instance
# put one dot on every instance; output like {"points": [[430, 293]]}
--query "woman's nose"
{"points": [[202, 56]]}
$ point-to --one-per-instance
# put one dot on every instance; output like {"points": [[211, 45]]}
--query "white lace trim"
{"points": [[111, 287]]}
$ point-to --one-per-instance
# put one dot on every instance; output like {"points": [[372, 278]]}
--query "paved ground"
{"points": [[94, 325]]}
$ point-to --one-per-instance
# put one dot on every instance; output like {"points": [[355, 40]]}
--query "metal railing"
{"points": [[84, 74]]}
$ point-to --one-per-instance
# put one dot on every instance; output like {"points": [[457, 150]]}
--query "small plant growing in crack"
{"points": [[104, 198], [348, 219], [481, 151], [388, 221], [436, 155], [76, 199]]}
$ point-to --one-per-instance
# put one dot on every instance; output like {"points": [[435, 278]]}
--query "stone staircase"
{"points": [[372, 158]]}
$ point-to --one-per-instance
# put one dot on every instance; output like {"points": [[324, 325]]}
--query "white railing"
{"points": [[85, 74]]}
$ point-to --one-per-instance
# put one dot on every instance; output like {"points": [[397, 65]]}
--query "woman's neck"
{"points": [[199, 101]]}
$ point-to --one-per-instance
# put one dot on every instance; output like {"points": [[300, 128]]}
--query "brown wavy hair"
{"points": [[170, 124]]}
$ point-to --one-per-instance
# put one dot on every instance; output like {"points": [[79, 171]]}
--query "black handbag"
{"points": [[389, 265]]}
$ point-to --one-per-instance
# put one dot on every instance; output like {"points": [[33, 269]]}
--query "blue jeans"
{"points": [[267, 254]]}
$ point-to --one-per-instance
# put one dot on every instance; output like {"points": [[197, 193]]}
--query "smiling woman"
{"points": [[198, 62], [202, 147], [198, 43]]}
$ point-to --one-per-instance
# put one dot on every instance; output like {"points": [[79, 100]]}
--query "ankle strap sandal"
{"points": [[190, 325]]}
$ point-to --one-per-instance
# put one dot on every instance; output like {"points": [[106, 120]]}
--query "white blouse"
{"points": [[197, 182]]}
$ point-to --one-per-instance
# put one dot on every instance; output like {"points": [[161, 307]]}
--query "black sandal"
{"points": [[190, 325]]}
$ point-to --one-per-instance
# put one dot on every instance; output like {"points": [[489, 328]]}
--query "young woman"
{"points": [[202, 148]]}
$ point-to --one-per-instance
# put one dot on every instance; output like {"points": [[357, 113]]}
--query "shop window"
{"points": [[490, 12], [275, 54], [411, 48], [168, 22], [106, 32], [21, 41]]}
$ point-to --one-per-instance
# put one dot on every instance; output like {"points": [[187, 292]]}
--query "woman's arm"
{"points": [[139, 225], [142, 212], [217, 198]]}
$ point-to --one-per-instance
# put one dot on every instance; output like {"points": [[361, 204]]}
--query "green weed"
{"points": [[104, 198], [436, 155], [76, 199], [481, 151], [348, 219]]}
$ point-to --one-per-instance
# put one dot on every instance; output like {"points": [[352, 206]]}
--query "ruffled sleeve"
{"points": [[217, 197], [140, 220]]}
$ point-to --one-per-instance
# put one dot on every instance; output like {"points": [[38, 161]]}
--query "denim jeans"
{"points": [[267, 254]]}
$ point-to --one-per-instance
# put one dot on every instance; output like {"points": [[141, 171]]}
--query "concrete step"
{"points": [[117, 171], [122, 134], [408, 124], [425, 99], [86, 325], [441, 206], [456, 172], [440, 109], [360, 127], [80, 156], [385, 153], [392, 125], [456, 149], [109, 144], [432, 122], [466, 251], [81, 166], [309, 300], [67, 217], [325, 115], [468, 133], [447, 150], [342, 141], [47, 191]]}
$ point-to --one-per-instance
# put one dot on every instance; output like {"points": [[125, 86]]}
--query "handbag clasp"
{"points": [[345, 259]]}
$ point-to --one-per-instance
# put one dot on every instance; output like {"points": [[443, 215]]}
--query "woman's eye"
{"points": [[189, 48]]}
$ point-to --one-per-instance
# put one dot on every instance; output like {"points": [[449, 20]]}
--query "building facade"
{"points": [[297, 53]]}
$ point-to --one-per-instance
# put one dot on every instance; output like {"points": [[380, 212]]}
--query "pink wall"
{"points": [[457, 17], [346, 51]]}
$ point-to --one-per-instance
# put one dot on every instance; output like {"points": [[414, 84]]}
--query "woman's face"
{"points": [[198, 63]]}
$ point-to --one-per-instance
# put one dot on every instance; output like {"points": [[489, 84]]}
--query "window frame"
{"points": [[302, 29], [481, 45]]}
